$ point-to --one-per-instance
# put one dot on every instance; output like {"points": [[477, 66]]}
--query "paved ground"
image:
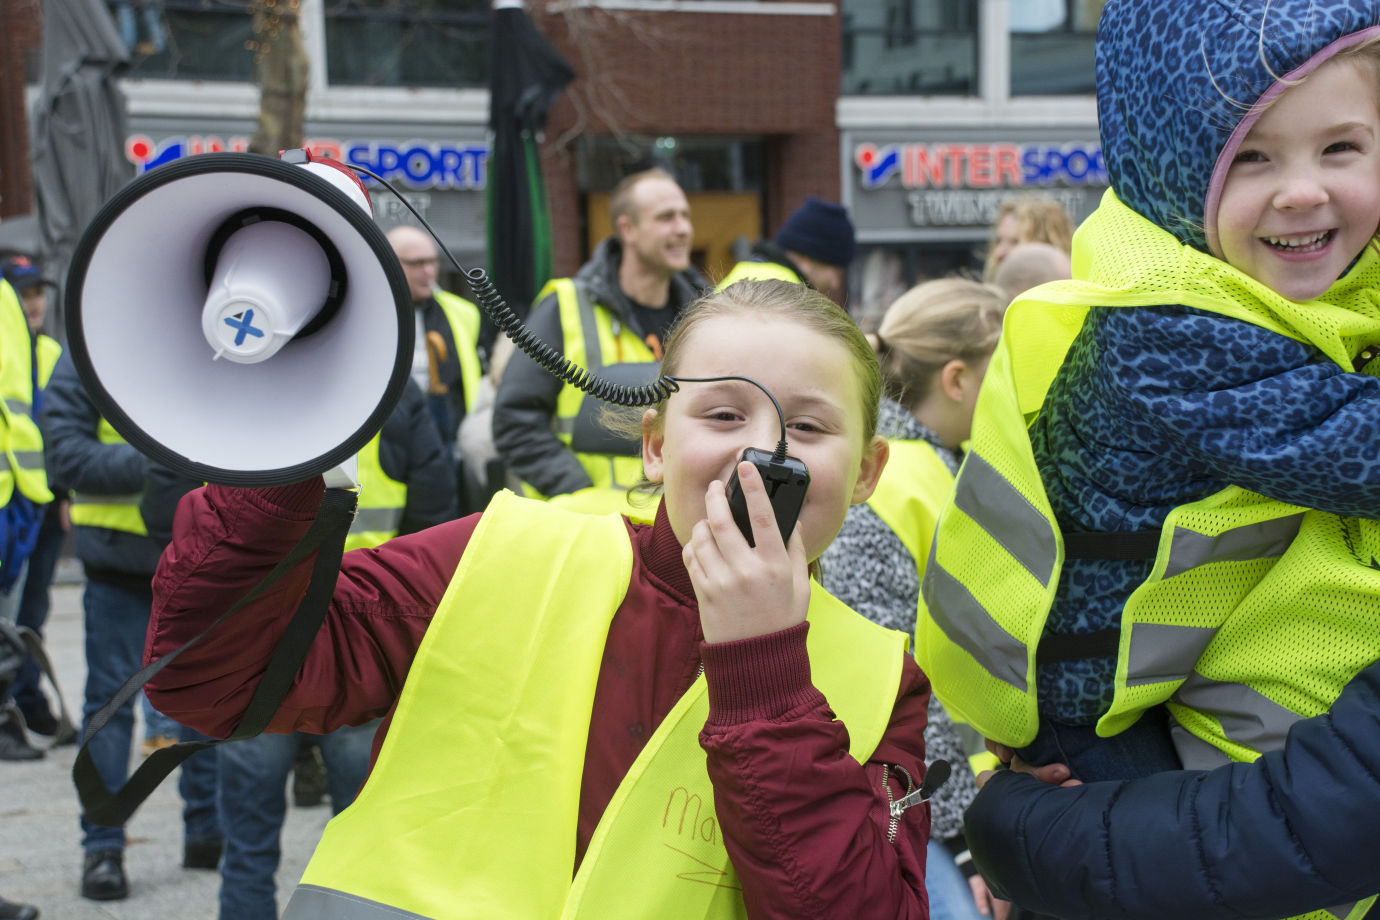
{"points": [[40, 841]]}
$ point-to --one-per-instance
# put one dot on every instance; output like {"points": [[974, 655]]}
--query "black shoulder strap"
{"points": [[1132, 544], [325, 537]]}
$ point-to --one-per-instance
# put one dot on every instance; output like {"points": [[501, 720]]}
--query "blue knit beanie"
{"points": [[821, 230]]}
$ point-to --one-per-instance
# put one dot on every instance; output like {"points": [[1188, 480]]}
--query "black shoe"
{"points": [[103, 876], [308, 778], [40, 720], [13, 910], [13, 744], [204, 854]]}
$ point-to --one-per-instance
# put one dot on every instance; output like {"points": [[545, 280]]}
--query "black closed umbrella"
{"points": [[79, 124], [526, 75]]}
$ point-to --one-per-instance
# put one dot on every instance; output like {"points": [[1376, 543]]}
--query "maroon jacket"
{"points": [[805, 825]]}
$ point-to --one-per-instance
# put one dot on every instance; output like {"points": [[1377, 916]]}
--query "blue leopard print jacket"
{"points": [[1159, 406]]}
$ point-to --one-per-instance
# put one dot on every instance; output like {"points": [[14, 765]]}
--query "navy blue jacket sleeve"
{"points": [[72, 449], [1292, 832], [524, 409], [411, 452]]}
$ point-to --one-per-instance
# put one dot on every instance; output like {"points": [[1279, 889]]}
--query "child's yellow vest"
{"points": [[1256, 612], [471, 809]]}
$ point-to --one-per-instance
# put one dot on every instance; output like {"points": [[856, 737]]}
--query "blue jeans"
{"points": [[150, 13], [116, 620], [950, 896], [1140, 750], [253, 803], [155, 723]]}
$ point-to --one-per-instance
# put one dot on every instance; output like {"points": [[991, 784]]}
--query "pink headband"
{"points": [[1228, 154]]}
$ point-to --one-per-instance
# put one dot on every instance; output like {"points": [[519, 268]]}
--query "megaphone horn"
{"points": [[239, 318]]}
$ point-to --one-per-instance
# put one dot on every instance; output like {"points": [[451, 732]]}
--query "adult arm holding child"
{"points": [[1288, 833]]}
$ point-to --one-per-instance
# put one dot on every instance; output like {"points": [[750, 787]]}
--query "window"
{"points": [[919, 47], [407, 42], [700, 164], [1052, 46], [187, 39]]}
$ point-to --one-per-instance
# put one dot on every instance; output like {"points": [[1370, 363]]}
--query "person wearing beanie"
{"points": [[814, 246]]}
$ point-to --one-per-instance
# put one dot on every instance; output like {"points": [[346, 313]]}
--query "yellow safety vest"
{"points": [[113, 512], [47, 350], [381, 501], [471, 809], [912, 490], [1256, 612], [759, 271], [595, 339], [23, 457], [463, 317], [908, 498]]}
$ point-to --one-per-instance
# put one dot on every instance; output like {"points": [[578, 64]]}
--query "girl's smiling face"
{"points": [[1302, 195], [706, 426]]}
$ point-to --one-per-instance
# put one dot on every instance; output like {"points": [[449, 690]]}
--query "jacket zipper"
{"points": [[894, 823]]}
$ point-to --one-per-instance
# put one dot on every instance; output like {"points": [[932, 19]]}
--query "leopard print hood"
{"points": [[1177, 84]]}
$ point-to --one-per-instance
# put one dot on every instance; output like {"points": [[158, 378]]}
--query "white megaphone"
{"points": [[241, 319]]}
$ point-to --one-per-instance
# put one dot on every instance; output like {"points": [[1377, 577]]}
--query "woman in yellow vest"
{"points": [[588, 716], [933, 346]]}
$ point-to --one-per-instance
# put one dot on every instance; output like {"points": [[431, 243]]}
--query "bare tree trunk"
{"points": [[280, 64]]}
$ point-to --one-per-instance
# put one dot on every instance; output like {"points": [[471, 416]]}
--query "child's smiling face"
{"points": [[708, 425], [1302, 196]]}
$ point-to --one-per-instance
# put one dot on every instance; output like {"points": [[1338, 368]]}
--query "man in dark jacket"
{"points": [[630, 293], [446, 364], [108, 477], [814, 246]]}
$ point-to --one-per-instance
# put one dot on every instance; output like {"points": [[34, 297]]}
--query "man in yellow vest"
{"points": [[611, 319], [445, 362], [814, 246], [108, 478]]}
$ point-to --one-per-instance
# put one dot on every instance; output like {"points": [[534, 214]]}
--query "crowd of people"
{"points": [[1107, 508]]}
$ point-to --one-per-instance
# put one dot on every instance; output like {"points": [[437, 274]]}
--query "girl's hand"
{"points": [[745, 591], [988, 904], [1056, 774]]}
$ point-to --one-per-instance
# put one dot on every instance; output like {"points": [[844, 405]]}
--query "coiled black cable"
{"points": [[555, 363], [551, 360]]}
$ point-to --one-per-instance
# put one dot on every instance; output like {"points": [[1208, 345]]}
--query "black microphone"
{"points": [[935, 776]]}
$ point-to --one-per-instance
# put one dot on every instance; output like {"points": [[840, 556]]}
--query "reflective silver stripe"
{"points": [[969, 626], [1248, 718], [1008, 517], [1194, 752], [1159, 652], [1264, 540], [565, 426], [29, 459], [86, 498], [382, 520], [312, 902], [17, 406], [589, 328], [1341, 913]]}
